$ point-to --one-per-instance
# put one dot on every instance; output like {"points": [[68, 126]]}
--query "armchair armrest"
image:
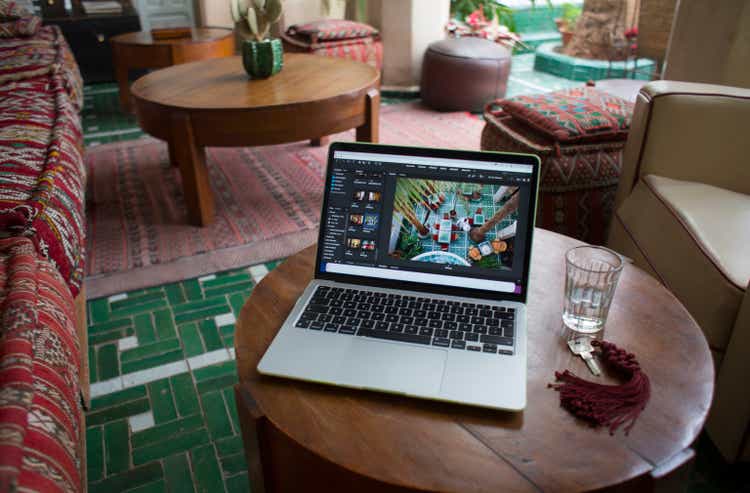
{"points": [[689, 131]]}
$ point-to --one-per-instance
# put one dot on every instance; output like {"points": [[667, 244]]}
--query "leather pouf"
{"points": [[463, 74]]}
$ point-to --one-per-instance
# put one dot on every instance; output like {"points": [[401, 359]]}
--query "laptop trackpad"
{"points": [[392, 366]]}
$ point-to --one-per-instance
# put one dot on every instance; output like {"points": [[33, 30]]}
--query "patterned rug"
{"points": [[267, 202]]}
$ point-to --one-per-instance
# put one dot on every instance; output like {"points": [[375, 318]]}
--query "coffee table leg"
{"points": [[370, 131], [121, 75], [191, 159], [252, 424]]}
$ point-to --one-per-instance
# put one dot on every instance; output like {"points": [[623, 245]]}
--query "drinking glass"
{"points": [[591, 277]]}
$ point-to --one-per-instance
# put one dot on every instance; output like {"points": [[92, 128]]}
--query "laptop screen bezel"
{"points": [[487, 156]]}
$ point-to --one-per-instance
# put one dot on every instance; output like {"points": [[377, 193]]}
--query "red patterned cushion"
{"points": [[573, 115], [43, 178], [40, 428], [332, 30], [17, 21]]}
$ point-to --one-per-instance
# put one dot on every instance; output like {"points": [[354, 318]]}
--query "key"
{"points": [[582, 347], [395, 336]]}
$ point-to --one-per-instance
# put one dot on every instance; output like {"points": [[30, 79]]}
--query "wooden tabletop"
{"points": [[222, 83], [197, 35], [443, 447]]}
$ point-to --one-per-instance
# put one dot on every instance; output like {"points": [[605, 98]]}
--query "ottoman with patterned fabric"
{"points": [[336, 38], [579, 134], [41, 149], [40, 411]]}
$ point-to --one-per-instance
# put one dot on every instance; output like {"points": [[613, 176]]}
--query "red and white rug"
{"points": [[267, 202]]}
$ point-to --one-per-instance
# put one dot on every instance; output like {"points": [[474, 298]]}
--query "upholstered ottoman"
{"points": [[579, 134], [336, 38], [463, 74], [41, 429]]}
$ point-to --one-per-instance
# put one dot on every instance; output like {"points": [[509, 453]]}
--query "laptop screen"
{"points": [[453, 222]]}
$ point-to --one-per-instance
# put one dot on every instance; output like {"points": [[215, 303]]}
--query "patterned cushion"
{"points": [[43, 178], [40, 427], [17, 21], [573, 115], [331, 30]]}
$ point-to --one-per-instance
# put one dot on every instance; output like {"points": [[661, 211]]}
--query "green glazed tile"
{"points": [[180, 443], [191, 339], [206, 470], [166, 431], [219, 422], [162, 403], [192, 289], [230, 446], [184, 393], [94, 453], [155, 487], [210, 334], [117, 452], [236, 301], [110, 414], [109, 336], [232, 288], [223, 280], [99, 309], [233, 464], [144, 328], [110, 325], [174, 293], [147, 350], [148, 306], [192, 306], [232, 406], [106, 362], [132, 301], [177, 474], [216, 383], [119, 397], [129, 479], [226, 368], [229, 342], [164, 325], [93, 374], [238, 484], [152, 361], [199, 314], [226, 330]]}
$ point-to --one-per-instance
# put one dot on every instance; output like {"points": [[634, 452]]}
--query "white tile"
{"points": [[153, 374], [92, 128], [232, 353], [117, 297], [225, 319], [141, 422], [258, 272], [127, 343], [208, 359], [105, 387], [209, 277]]}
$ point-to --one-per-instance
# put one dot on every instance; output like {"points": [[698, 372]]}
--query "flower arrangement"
{"points": [[477, 25]]}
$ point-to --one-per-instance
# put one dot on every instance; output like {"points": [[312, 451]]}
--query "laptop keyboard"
{"points": [[413, 319]]}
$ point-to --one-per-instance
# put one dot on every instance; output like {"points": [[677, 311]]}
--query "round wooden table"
{"points": [[307, 437], [140, 50], [215, 103]]}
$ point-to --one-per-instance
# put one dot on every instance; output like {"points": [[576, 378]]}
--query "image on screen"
{"points": [[450, 222]]}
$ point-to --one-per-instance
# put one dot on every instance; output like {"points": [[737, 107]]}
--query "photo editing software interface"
{"points": [[449, 222]]}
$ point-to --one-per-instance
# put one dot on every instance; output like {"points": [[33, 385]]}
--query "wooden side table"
{"points": [[140, 50], [307, 437]]}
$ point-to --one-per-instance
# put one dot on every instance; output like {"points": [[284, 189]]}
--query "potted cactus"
{"points": [[262, 57]]}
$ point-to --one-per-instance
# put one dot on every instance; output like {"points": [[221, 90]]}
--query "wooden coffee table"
{"points": [[214, 103], [140, 50], [308, 437]]}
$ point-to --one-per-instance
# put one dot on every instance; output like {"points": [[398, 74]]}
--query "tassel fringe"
{"points": [[607, 405]]}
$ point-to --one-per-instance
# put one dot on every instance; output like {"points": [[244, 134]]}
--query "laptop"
{"points": [[421, 277]]}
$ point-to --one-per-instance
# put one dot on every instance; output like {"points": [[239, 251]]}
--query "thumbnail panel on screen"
{"points": [[449, 222]]}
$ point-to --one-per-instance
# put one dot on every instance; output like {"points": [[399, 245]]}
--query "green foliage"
{"points": [[411, 246], [570, 14], [461, 9]]}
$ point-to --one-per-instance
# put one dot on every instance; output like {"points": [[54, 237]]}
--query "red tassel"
{"points": [[607, 405]]}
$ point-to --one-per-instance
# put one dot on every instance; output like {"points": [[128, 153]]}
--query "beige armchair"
{"points": [[683, 213]]}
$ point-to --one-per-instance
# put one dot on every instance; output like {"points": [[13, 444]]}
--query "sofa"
{"points": [[43, 347], [683, 214]]}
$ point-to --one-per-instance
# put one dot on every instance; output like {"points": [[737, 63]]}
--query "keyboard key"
{"points": [[441, 342], [450, 325], [331, 327], [411, 329], [377, 316], [491, 322], [456, 334], [477, 320], [485, 313], [495, 331], [368, 324], [465, 319], [392, 318], [425, 332], [489, 348], [397, 328], [508, 332], [436, 324], [474, 348], [458, 344], [506, 324], [316, 326], [382, 325], [479, 329], [406, 320], [395, 336], [302, 324], [441, 333], [315, 308], [503, 341], [348, 330], [505, 351], [471, 336], [465, 327]]}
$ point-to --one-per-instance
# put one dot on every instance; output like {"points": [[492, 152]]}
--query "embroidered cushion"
{"points": [[331, 30], [40, 426], [17, 21], [573, 115]]}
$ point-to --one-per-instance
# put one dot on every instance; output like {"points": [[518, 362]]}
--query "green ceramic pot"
{"points": [[262, 59]]}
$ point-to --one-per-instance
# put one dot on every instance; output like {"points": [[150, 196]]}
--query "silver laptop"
{"points": [[421, 277]]}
